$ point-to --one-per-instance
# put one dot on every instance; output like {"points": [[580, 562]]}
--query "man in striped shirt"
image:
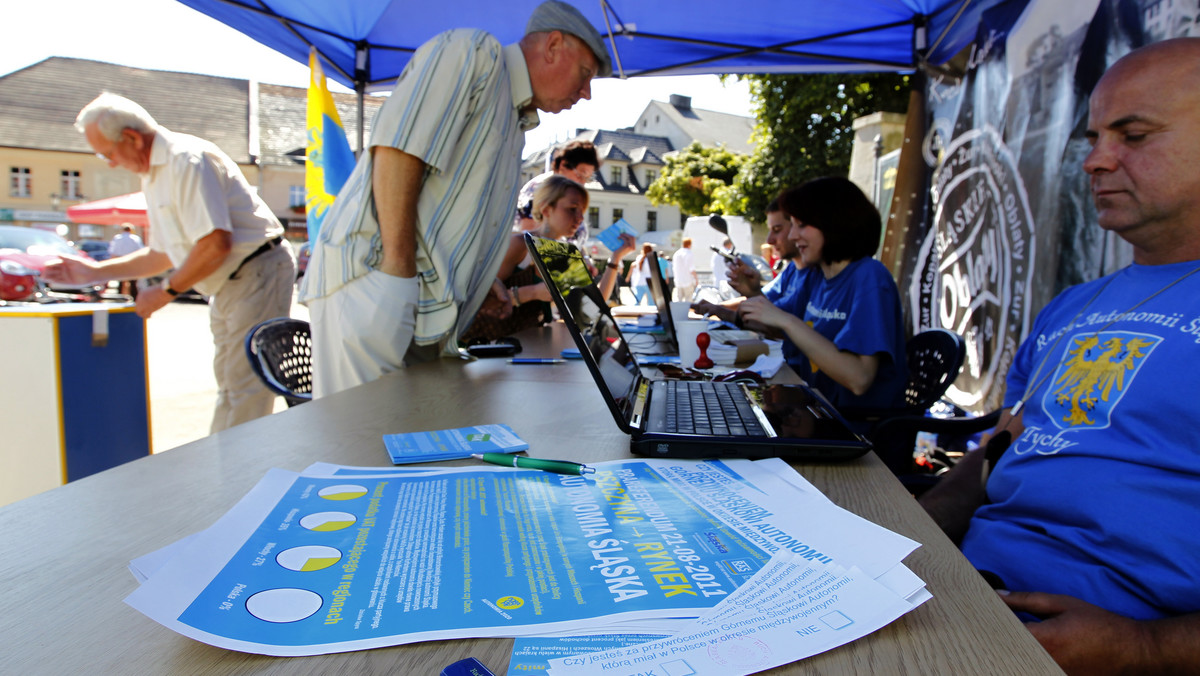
{"points": [[410, 248]]}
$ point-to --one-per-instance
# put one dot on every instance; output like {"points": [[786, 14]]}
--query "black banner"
{"points": [[1011, 220]]}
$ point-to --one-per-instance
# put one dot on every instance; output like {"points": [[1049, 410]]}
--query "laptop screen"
{"points": [[662, 301], [567, 269], [580, 303]]}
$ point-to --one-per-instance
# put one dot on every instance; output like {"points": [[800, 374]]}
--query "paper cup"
{"points": [[687, 331], [679, 311]]}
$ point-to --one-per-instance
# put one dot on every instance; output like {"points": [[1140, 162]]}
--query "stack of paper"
{"points": [[341, 558], [454, 444]]}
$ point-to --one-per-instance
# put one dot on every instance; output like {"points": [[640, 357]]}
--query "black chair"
{"points": [[934, 358], [280, 352]]}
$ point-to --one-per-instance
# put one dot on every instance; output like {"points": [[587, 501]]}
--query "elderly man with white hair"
{"points": [[209, 226]]}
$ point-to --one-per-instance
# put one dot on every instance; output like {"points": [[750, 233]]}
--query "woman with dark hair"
{"points": [[851, 329]]}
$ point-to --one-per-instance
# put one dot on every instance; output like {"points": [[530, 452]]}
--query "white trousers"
{"points": [[362, 331], [261, 291]]}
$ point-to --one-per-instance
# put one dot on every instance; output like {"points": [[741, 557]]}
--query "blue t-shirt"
{"points": [[859, 311], [1099, 498], [788, 292]]}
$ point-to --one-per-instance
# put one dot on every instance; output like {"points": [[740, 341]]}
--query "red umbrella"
{"points": [[129, 208]]}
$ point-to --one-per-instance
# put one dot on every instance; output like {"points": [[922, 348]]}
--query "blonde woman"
{"points": [[559, 205]]}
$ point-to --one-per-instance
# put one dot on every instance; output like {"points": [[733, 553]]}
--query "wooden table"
{"points": [[63, 568]]}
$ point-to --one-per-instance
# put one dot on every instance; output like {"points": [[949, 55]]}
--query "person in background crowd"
{"points": [[210, 226], [684, 265], [720, 273], [1087, 522], [123, 244], [638, 274], [768, 253], [409, 251]]}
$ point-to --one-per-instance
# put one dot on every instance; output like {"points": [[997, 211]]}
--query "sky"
{"points": [[167, 35]]}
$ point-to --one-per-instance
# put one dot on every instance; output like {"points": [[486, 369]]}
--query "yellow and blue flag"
{"points": [[330, 160]]}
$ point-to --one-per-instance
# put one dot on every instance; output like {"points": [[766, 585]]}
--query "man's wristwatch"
{"points": [[166, 286]]}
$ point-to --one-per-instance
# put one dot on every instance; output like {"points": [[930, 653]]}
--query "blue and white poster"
{"points": [[316, 564]]}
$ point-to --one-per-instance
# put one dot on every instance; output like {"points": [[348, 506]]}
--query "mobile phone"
{"points": [[493, 350], [724, 254]]}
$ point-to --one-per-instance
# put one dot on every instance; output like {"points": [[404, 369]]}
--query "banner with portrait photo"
{"points": [[1010, 222]]}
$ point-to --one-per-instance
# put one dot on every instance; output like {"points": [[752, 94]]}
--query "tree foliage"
{"points": [[803, 130], [696, 179]]}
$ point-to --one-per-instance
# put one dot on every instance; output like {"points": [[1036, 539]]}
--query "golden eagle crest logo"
{"points": [[1095, 373]]}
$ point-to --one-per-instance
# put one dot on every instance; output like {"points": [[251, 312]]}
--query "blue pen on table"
{"points": [[556, 466], [530, 360]]}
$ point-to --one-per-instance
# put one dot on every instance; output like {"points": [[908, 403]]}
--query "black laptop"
{"points": [[662, 302], [688, 418]]}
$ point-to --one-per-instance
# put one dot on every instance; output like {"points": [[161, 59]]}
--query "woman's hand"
{"points": [[628, 246], [762, 311], [497, 304]]}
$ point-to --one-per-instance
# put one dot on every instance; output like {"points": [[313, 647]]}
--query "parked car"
{"points": [[24, 253], [95, 248], [302, 255]]}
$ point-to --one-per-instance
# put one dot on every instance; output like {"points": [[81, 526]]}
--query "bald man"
{"points": [[1089, 517]]}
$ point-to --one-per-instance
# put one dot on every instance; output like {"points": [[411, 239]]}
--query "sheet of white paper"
{"points": [[792, 609]]}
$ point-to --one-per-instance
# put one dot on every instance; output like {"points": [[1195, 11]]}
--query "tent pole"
{"points": [[361, 73]]}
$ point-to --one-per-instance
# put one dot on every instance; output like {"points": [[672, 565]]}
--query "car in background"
{"points": [[303, 252], [95, 248], [24, 253]]}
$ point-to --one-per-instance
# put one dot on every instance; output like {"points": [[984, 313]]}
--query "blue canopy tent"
{"points": [[366, 43]]}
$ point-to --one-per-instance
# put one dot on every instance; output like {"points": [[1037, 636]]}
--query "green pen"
{"points": [[556, 466]]}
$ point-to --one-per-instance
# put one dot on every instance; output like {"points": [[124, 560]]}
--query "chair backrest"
{"points": [[934, 358], [280, 352]]}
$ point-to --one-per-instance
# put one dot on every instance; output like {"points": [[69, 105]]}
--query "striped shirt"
{"points": [[457, 108]]}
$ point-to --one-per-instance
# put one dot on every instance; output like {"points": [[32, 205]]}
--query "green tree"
{"points": [[696, 179], [803, 130]]}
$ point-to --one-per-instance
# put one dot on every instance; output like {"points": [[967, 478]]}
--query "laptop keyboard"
{"points": [[705, 407]]}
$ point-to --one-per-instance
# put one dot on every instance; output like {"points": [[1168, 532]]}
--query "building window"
{"points": [[651, 221], [618, 214], [594, 218], [651, 176], [22, 182], [295, 196], [69, 187], [615, 175]]}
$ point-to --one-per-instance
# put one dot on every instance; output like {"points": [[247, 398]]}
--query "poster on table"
{"points": [[1011, 222], [309, 564]]}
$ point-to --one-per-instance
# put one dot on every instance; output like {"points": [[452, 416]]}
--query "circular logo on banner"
{"points": [[975, 265]]}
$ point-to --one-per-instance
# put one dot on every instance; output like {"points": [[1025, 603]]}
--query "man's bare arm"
{"points": [[952, 501], [396, 185], [1086, 639]]}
